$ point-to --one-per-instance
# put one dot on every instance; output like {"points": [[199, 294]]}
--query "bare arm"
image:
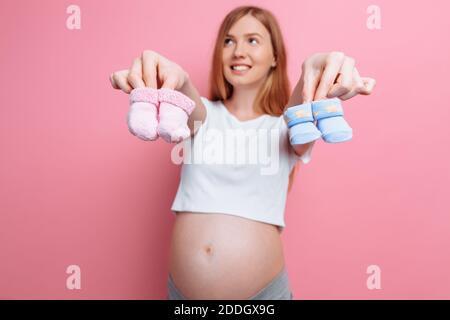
{"points": [[328, 75], [199, 113]]}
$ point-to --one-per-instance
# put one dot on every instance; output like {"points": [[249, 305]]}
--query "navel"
{"points": [[208, 249]]}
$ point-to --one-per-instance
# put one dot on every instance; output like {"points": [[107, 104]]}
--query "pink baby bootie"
{"points": [[174, 111], [143, 114]]}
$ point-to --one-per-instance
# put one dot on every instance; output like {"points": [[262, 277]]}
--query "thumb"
{"points": [[369, 84]]}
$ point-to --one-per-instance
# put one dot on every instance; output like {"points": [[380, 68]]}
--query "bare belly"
{"points": [[221, 256]]}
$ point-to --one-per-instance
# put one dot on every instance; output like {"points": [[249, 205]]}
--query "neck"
{"points": [[242, 101]]}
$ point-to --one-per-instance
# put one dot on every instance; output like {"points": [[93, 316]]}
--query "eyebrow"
{"points": [[247, 34]]}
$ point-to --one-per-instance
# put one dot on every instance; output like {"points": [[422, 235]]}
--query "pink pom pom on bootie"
{"points": [[143, 115], [174, 111]]}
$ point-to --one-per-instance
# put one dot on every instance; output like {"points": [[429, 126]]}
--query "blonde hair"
{"points": [[275, 93]]}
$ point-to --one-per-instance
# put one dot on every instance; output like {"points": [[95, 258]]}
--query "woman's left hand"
{"points": [[333, 74]]}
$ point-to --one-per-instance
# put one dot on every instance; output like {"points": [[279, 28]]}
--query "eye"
{"points": [[250, 39]]}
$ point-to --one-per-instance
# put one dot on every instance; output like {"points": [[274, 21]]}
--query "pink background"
{"points": [[77, 188]]}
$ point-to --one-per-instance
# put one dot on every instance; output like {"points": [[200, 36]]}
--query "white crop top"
{"points": [[237, 167]]}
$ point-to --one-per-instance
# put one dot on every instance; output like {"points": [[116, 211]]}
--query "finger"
{"points": [[369, 84], [113, 82], [357, 86], [170, 82], [357, 79], [120, 80], [329, 75], [310, 83], [344, 82], [135, 75], [364, 85], [349, 95], [149, 64]]}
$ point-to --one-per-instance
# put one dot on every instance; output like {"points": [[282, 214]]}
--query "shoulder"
{"points": [[281, 124], [208, 102], [205, 100], [213, 111], [213, 106]]}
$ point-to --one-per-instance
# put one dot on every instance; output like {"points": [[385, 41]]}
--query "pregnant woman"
{"points": [[226, 240]]}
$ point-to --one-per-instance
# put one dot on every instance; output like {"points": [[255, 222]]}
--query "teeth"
{"points": [[240, 67]]}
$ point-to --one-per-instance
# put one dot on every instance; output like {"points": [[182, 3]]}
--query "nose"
{"points": [[239, 50]]}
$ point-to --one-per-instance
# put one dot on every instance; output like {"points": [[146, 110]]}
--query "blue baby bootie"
{"points": [[300, 122], [329, 115]]}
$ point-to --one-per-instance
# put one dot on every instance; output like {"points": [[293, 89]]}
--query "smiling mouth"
{"points": [[240, 71], [240, 68]]}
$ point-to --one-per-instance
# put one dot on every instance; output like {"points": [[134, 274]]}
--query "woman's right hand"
{"points": [[150, 70]]}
